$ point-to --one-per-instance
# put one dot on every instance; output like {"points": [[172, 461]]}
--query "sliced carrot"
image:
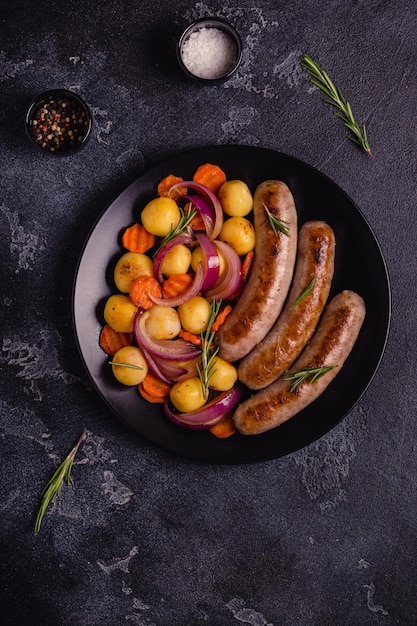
{"points": [[140, 290], [176, 284], [221, 316], [247, 262], [164, 187], [137, 239], [224, 428], [197, 223], [147, 396], [154, 386], [111, 341], [190, 337], [212, 176]]}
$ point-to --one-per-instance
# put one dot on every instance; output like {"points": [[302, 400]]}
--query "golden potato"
{"points": [[134, 368], [119, 313], [224, 375], [187, 395], [239, 233], [194, 315], [176, 261], [160, 216], [162, 322], [130, 266], [236, 198]]}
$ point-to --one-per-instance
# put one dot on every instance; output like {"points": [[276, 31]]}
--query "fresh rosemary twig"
{"points": [[179, 229], [63, 473], [343, 111], [305, 292], [208, 353], [121, 364], [276, 223], [313, 373]]}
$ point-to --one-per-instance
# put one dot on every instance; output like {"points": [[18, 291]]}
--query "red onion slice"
{"points": [[210, 414], [172, 370], [204, 208], [205, 191], [154, 367], [211, 261], [230, 284], [193, 290], [167, 349]]}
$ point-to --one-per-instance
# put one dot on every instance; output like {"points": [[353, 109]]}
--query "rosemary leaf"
{"points": [[305, 292], [321, 79], [276, 223], [131, 365], [183, 224], [312, 373], [208, 353], [51, 490]]}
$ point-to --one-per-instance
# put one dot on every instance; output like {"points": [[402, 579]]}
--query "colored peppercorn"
{"points": [[59, 123]]}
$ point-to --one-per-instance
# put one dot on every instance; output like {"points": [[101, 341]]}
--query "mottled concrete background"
{"points": [[323, 537]]}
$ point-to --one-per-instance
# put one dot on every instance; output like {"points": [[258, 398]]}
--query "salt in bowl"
{"points": [[210, 50]]}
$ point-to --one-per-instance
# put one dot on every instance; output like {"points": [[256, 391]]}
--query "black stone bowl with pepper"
{"points": [[58, 122], [209, 51]]}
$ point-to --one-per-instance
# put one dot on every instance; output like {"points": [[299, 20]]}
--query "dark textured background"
{"points": [[325, 536]]}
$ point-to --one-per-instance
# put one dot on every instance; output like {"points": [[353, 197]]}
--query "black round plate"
{"points": [[360, 266]]}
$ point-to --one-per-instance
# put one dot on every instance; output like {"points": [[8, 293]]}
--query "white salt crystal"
{"points": [[209, 53]]}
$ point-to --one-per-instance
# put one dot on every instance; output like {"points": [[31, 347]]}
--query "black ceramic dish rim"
{"points": [[63, 93], [211, 22]]}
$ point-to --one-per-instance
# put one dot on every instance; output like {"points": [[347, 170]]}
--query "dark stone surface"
{"points": [[325, 536]]}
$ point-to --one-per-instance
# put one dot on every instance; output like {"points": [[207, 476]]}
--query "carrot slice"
{"points": [[212, 176], [221, 316], [197, 223], [137, 239], [140, 290], [224, 428], [154, 386], [164, 187], [247, 262], [150, 398], [111, 341], [176, 284], [190, 337]]}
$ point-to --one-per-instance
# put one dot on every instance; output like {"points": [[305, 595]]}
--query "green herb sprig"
{"points": [[312, 373], [208, 351], [121, 364], [276, 223], [305, 293], [182, 225], [63, 473], [336, 99]]}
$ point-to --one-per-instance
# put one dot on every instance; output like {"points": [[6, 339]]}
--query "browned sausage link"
{"points": [[330, 345], [297, 322], [270, 277]]}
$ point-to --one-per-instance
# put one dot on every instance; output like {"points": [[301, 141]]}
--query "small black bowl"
{"points": [[58, 122], [210, 50]]}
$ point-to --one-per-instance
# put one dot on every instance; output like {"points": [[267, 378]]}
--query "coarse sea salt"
{"points": [[209, 53]]}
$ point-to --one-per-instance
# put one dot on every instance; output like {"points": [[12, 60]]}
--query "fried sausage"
{"points": [[271, 273], [299, 318], [330, 345]]}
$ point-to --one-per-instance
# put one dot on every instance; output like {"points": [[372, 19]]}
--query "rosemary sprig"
{"points": [[312, 373], [121, 364], [184, 222], [343, 111], [208, 351], [305, 292], [276, 223], [63, 473]]}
